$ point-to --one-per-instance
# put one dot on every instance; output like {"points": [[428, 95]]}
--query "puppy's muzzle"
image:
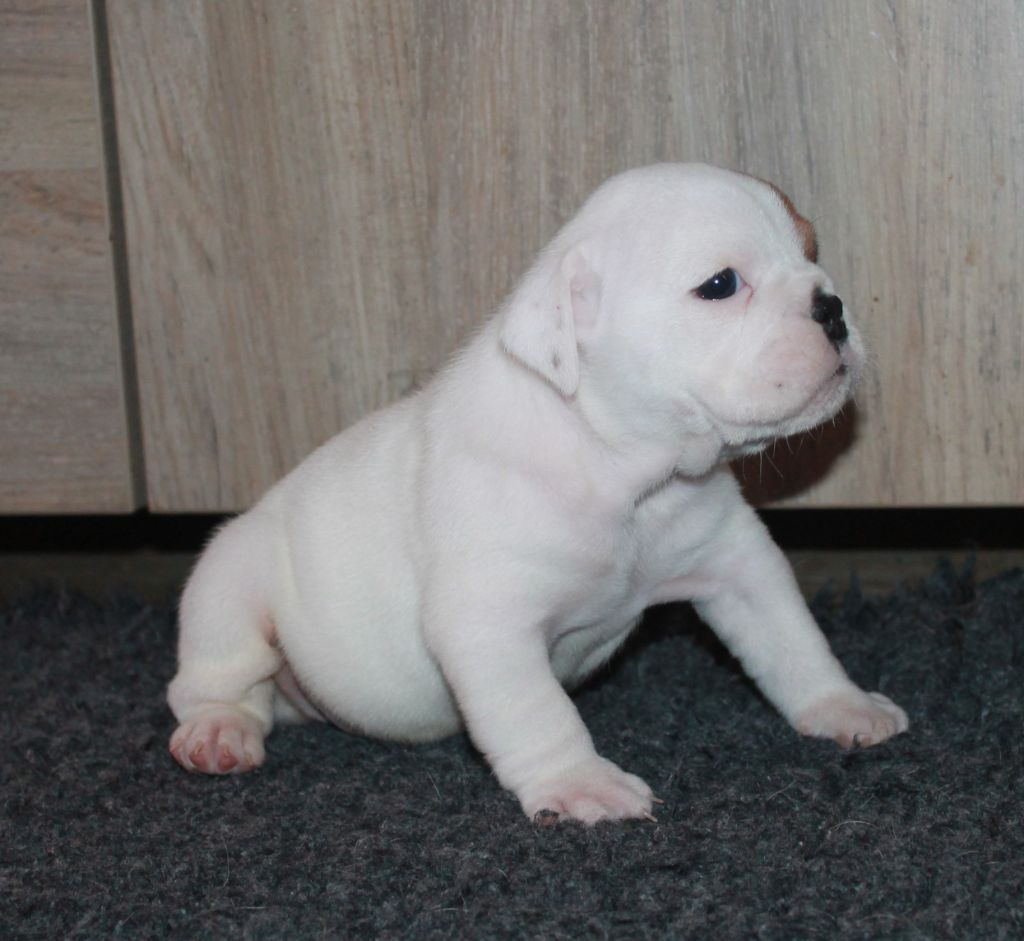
{"points": [[827, 309]]}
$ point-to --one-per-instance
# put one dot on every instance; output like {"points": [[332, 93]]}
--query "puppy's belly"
{"points": [[369, 671], [357, 649], [350, 630], [362, 678], [346, 606]]}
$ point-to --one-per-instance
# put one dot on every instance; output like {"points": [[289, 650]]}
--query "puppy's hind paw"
{"points": [[589, 792], [219, 740], [853, 719]]}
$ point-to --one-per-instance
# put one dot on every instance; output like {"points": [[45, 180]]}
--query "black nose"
{"points": [[827, 310]]}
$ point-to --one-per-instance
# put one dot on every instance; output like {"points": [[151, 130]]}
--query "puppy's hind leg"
{"points": [[223, 694]]}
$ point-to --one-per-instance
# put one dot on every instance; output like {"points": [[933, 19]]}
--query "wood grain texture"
{"points": [[324, 198], [64, 437]]}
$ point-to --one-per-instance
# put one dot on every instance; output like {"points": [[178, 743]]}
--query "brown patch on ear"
{"points": [[804, 228]]}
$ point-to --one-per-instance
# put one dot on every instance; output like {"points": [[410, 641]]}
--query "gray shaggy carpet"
{"points": [[762, 834]]}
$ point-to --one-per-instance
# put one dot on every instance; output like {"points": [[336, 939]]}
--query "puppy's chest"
{"points": [[619, 570], [608, 581], [603, 603]]}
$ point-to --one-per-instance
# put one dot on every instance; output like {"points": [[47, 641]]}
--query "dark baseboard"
{"points": [[952, 528]]}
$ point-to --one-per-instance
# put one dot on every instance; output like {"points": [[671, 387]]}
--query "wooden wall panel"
{"points": [[64, 437], [276, 224], [324, 198], [911, 120]]}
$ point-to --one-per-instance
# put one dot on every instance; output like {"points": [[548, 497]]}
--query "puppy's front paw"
{"points": [[591, 791], [853, 718], [219, 740]]}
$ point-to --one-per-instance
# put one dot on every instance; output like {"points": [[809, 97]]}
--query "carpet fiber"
{"points": [[762, 834]]}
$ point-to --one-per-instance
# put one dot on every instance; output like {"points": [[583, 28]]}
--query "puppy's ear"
{"points": [[804, 227], [541, 323]]}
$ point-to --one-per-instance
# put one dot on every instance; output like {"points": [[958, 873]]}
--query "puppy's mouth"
{"points": [[830, 386], [824, 402], [822, 397]]}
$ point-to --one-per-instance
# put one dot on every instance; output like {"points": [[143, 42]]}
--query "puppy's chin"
{"points": [[826, 401], [840, 378]]}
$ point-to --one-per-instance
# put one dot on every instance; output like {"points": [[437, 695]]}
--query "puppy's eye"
{"points": [[720, 286]]}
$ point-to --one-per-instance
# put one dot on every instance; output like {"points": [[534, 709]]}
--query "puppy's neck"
{"points": [[576, 443], [650, 447]]}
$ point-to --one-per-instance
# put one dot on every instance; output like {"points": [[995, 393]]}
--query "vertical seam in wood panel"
{"points": [[118, 250]]}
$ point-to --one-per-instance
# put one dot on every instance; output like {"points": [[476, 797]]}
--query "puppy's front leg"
{"points": [[756, 608], [524, 722]]}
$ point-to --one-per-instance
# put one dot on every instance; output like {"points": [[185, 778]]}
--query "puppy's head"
{"points": [[687, 299]]}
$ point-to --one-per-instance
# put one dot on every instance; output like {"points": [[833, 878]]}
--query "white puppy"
{"points": [[461, 557]]}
